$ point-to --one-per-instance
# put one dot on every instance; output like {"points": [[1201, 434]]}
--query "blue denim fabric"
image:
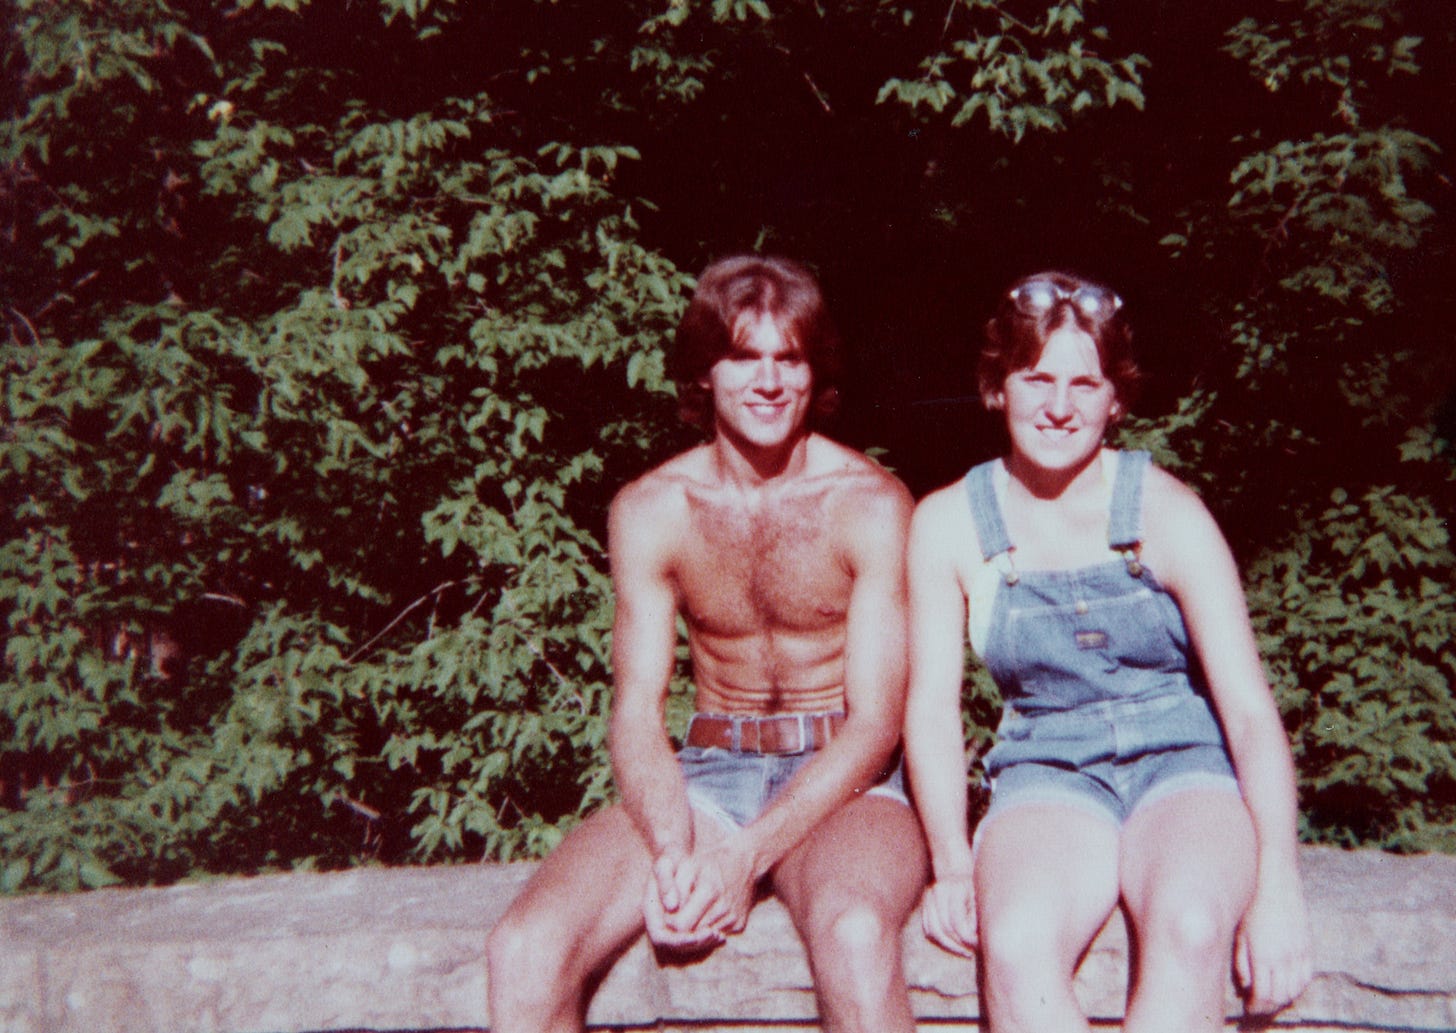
{"points": [[737, 787], [1104, 700]]}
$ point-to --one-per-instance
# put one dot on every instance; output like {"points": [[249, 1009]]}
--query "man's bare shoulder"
{"points": [[663, 487], [866, 506], [857, 480], [648, 515]]}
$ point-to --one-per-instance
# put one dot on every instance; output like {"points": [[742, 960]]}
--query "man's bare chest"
{"points": [[769, 568]]}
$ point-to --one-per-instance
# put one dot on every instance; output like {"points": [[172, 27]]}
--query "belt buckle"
{"points": [[803, 744]]}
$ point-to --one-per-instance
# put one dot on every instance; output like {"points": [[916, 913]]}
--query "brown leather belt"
{"points": [[782, 733]]}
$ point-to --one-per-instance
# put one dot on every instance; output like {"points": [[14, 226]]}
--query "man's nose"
{"points": [[769, 377]]}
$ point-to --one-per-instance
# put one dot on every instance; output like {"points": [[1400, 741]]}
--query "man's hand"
{"points": [[948, 914], [1272, 952], [699, 899], [732, 866], [674, 892]]}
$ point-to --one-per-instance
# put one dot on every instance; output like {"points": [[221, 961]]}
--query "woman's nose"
{"points": [[1059, 402]]}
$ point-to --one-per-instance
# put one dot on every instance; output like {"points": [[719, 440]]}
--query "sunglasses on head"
{"points": [[1035, 297]]}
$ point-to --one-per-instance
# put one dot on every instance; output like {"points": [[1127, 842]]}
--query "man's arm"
{"points": [[873, 525], [644, 637]]}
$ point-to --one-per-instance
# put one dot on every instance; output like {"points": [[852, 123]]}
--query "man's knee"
{"points": [[525, 949], [854, 950], [854, 936], [509, 949]]}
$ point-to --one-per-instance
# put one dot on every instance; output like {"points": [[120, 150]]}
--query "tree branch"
{"points": [[433, 593]]}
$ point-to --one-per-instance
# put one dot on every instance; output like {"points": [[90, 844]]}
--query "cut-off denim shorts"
{"points": [[1111, 757], [736, 788]]}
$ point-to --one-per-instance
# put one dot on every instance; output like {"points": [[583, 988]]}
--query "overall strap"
{"points": [[1125, 526], [990, 527]]}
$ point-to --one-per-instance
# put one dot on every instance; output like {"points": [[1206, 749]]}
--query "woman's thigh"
{"points": [[1191, 853], [1046, 880]]}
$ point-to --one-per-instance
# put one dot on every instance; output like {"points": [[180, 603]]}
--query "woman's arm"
{"points": [[1191, 557], [934, 742]]}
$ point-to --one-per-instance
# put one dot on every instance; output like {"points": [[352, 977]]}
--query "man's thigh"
{"points": [[870, 853]]}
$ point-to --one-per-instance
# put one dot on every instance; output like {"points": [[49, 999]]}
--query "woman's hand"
{"points": [[1272, 953], [948, 914]]}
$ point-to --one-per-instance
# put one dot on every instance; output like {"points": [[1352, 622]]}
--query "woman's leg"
{"points": [[1187, 876], [1046, 880]]}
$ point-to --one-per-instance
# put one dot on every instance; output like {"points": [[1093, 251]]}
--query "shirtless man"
{"points": [[783, 553]]}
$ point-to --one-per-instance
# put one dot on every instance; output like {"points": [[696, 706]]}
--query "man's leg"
{"points": [[582, 907], [850, 886]]}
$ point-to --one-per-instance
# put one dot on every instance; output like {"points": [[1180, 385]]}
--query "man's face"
{"points": [[762, 389]]}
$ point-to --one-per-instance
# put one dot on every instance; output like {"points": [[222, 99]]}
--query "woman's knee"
{"points": [[1198, 929], [1017, 939]]}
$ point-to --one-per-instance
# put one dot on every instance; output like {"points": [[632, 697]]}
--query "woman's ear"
{"points": [[994, 401]]}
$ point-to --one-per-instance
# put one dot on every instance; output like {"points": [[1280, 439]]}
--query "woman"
{"points": [[1140, 757]]}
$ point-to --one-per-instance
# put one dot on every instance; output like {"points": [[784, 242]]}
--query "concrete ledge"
{"points": [[401, 949]]}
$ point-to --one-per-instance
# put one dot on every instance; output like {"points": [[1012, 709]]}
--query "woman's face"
{"points": [[1058, 410]]}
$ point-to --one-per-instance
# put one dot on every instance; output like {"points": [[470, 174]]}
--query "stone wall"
{"points": [[400, 949]]}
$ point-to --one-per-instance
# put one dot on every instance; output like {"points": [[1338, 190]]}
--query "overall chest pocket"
{"points": [[1072, 642]]}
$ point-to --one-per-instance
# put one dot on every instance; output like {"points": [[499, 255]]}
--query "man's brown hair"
{"points": [[731, 292]]}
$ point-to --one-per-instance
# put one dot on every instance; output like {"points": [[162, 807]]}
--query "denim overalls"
{"points": [[1105, 705]]}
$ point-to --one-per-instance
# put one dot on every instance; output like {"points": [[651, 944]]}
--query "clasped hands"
{"points": [[696, 900]]}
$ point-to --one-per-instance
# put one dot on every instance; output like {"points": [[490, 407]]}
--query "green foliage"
{"points": [[1357, 612], [1334, 209], [1325, 387], [331, 329], [304, 559], [1021, 75]]}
